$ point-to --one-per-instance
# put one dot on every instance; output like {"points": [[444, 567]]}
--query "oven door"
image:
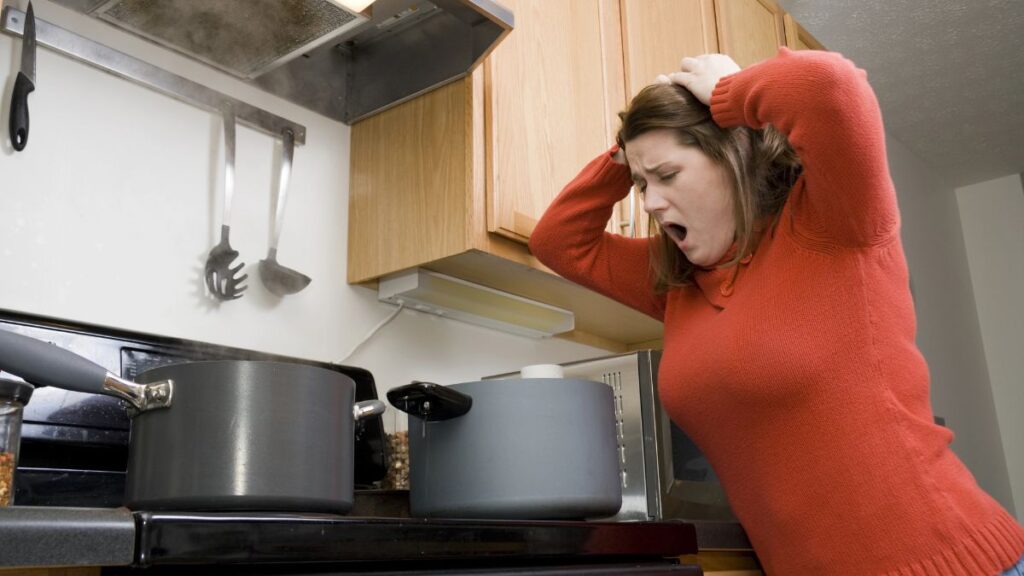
{"points": [[688, 486]]}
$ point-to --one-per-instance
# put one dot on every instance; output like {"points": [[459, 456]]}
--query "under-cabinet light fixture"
{"points": [[354, 5], [458, 299]]}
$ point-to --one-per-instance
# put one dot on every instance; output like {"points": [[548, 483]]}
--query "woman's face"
{"points": [[686, 193]]}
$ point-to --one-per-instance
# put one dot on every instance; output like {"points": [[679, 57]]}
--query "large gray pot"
{"points": [[512, 449], [223, 435]]}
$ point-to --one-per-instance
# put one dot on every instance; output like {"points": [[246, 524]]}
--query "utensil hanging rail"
{"points": [[135, 70]]}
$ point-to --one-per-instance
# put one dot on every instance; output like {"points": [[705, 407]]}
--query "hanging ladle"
{"points": [[279, 279]]}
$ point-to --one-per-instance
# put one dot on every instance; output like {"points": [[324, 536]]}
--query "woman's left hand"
{"points": [[700, 75]]}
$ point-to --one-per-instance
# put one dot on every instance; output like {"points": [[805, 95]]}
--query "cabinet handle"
{"points": [[631, 224], [633, 211]]}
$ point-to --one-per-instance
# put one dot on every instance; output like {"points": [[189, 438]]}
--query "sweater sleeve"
{"points": [[571, 240], [827, 110]]}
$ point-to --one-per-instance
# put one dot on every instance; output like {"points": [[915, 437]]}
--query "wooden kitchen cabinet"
{"points": [[725, 562], [455, 180], [657, 34], [551, 91], [749, 30], [492, 151], [798, 38]]}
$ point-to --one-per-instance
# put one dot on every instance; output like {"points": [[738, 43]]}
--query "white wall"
{"points": [[948, 331], [992, 214], [109, 213]]}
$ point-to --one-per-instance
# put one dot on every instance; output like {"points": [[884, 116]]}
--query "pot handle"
{"points": [[429, 401], [45, 364], [367, 408]]}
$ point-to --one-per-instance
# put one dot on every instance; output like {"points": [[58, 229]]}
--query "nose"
{"points": [[654, 200]]}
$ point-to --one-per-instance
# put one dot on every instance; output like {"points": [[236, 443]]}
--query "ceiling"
{"points": [[949, 75]]}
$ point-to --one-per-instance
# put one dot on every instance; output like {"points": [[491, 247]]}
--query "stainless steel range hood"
{"points": [[315, 53]]}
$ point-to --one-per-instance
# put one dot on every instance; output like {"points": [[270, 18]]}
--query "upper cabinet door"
{"points": [[749, 30], [552, 88], [657, 34], [798, 38]]}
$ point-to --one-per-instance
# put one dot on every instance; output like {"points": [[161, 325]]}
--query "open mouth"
{"points": [[675, 231]]}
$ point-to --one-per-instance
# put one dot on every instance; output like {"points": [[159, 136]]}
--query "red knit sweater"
{"points": [[801, 382]]}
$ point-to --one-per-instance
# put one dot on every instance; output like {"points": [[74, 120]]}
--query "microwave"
{"points": [[664, 475]]}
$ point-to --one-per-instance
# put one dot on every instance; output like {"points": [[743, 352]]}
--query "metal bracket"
{"points": [[146, 74]]}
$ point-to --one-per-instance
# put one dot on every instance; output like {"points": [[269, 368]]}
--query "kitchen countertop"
{"points": [[44, 536]]}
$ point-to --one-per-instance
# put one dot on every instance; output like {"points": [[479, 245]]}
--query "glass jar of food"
{"points": [[13, 397]]}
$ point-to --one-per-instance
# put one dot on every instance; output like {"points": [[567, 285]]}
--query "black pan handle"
{"points": [[429, 401], [42, 363], [19, 111]]}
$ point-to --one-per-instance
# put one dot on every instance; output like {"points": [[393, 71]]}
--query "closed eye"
{"points": [[667, 177]]}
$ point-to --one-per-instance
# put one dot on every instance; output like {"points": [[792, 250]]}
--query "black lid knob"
{"points": [[429, 401]]}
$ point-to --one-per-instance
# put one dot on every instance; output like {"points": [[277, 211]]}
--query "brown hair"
{"points": [[760, 164]]}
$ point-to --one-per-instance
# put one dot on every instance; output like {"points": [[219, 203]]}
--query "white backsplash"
{"points": [[108, 214]]}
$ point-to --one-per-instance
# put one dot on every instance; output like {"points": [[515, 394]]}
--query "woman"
{"points": [[789, 327]]}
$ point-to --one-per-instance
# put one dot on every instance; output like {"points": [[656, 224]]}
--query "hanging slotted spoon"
{"points": [[220, 276], [279, 279]]}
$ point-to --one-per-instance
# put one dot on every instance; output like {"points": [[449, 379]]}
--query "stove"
{"points": [[71, 477]]}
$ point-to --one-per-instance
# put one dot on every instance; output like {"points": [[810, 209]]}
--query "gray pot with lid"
{"points": [[531, 448], [220, 435]]}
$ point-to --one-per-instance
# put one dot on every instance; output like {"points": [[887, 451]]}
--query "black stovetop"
{"points": [[170, 538]]}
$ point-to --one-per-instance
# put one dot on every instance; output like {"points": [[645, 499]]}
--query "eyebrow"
{"points": [[651, 169]]}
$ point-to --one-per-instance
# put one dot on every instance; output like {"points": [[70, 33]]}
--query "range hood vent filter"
{"points": [[319, 54], [242, 37]]}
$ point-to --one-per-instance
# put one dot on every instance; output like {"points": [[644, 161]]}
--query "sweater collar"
{"points": [[718, 282]]}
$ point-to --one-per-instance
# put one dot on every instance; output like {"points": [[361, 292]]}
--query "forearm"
{"points": [[573, 225], [571, 238], [827, 110]]}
